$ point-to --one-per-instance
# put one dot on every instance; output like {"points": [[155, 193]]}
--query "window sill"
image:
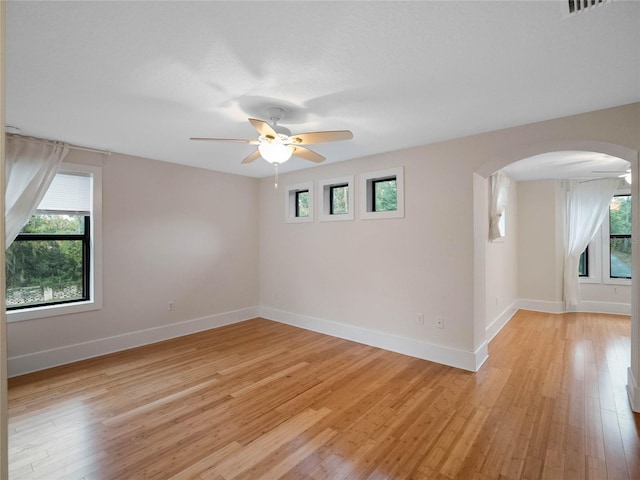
{"points": [[51, 311]]}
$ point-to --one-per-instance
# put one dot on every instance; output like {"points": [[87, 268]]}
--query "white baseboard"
{"points": [[540, 305], [633, 391], [32, 362], [465, 360], [585, 306], [615, 308], [502, 319]]}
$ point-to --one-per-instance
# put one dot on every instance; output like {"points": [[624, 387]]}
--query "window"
{"points": [[302, 203], [583, 266], [620, 237], [385, 195], [382, 194], [299, 203], [53, 266], [336, 198], [607, 259]]}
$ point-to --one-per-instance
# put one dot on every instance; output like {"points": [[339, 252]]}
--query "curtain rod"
{"points": [[51, 142]]}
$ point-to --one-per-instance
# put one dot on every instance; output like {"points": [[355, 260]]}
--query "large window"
{"points": [[54, 261], [607, 259], [620, 237]]}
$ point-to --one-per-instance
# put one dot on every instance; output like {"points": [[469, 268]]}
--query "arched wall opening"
{"points": [[482, 334]]}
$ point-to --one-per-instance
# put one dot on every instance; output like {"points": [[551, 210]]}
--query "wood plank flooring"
{"points": [[261, 400]]}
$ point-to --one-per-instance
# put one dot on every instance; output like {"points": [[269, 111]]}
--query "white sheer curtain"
{"points": [[30, 168], [587, 206], [499, 183]]}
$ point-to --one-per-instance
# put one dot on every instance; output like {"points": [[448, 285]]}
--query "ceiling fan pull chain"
{"points": [[276, 177]]}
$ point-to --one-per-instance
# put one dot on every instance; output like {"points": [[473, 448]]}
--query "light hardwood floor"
{"points": [[264, 400]]}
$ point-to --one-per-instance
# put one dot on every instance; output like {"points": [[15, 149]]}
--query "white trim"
{"points": [[481, 355], [500, 321], [32, 362], [324, 201], [613, 308], [633, 391], [375, 338], [541, 305]]}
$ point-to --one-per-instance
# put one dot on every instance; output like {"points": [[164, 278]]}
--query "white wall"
{"points": [[501, 272], [169, 233]]}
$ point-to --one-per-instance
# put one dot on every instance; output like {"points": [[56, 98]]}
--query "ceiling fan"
{"points": [[276, 144]]}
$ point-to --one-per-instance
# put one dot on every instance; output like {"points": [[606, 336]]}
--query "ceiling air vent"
{"points": [[577, 6]]}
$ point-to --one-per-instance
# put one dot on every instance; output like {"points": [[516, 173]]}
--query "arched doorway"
{"points": [[480, 240]]}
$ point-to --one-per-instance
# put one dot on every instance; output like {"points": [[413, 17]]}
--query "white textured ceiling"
{"points": [[142, 77]]}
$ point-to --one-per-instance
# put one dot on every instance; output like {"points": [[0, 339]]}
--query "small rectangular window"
{"points": [[382, 194], [302, 203], [335, 197], [299, 203]]}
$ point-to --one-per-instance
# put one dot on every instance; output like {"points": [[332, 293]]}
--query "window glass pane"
{"points": [[582, 266], [63, 224], [620, 236], [44, 271], [620, 215], [385, 195], [339, 200], [302, 203], [620, 251]]}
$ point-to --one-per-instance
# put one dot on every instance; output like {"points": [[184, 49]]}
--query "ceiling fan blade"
{"points": [[307, 154], [621, 172], [264, 128], [321, 137], [236, 140], [250, 158]]}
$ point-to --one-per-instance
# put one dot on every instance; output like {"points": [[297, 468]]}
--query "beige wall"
{"points": [[216, 243], [539, 277], [541, 253], [502, 264], [169, 233], [377, 274]]}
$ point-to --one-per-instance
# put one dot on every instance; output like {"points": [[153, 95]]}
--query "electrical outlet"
{"points": [[439, 322], [420, 319], [171, 306]]}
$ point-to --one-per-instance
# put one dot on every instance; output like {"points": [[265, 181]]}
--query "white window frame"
{"points": [[366, 193], [95, 268], [324, 199], [290, 202]]}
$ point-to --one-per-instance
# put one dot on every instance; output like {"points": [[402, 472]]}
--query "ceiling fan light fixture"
{"points": [[275, 153]]}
